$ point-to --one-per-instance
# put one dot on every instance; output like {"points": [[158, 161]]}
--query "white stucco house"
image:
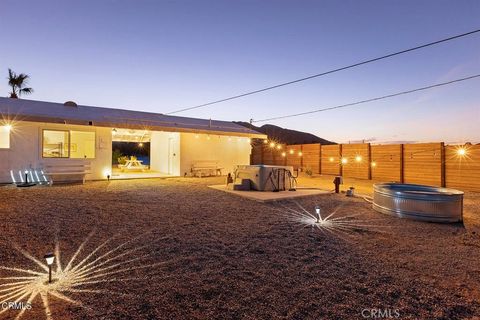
{"points": [[36, 137]]}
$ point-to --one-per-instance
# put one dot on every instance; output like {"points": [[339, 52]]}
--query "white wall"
{"points": [[25, 150], [228, 151], [159, 152]]}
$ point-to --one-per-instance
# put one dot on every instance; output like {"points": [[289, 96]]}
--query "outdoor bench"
{"points": [[67, 171], [205, 168]]}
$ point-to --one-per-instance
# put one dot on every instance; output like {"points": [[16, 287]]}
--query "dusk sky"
{"points": [[162, 56]]}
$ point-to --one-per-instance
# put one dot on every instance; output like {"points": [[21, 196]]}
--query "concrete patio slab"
{"points": [[265, 196]]}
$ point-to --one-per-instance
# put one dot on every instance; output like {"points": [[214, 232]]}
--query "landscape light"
{"points": [[358, 158], [284, 154], [461, 151], [49, 257], [317, 211], [344, 160], [272, 144]]}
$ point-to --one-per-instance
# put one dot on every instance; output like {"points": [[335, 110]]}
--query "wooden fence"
{"points": [[423, 163]]}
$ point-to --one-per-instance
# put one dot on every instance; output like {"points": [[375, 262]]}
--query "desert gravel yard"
{"points": [[176, 249]]}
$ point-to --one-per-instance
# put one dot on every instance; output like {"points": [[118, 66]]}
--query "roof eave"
{"points": [[140, 126]]}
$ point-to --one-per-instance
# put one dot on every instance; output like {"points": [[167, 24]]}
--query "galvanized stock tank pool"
{"points": [[419, 202]]}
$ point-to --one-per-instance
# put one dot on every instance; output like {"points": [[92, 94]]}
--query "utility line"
{"points": [[370, 100], [327, 72]]}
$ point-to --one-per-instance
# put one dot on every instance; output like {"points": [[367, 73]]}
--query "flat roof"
{"points": [[51, 112]]}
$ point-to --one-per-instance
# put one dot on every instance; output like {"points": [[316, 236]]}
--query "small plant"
{"points": [[309, 172], [116, 155], [122, 160]]}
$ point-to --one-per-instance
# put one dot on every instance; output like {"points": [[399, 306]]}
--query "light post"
{"points": [[50, 257], [26, 183], [317, 211]]}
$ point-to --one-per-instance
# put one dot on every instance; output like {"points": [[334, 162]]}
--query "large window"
{"points": [[68, 144], [55, 144], [5, 137]]}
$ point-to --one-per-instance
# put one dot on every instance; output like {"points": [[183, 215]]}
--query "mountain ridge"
{"points": [[284, 135]]}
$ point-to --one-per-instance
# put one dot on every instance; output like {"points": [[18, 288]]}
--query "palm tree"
{"points": [[18, 83]]}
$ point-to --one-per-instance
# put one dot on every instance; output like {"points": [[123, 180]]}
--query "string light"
{"points": [[331, 159], [140, 144], [300, 153], [279, 147], [344, 160], [284, 154], [8, 127], [272, 144], [265, 141], [292, 151], [461, 151], [197, 136], [358, 158], [374, 164]]}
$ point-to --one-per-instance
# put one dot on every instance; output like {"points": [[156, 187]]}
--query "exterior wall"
{"points": [[227, 151], [165, 152], [25, 150]]}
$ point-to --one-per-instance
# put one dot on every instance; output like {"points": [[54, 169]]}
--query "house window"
{"points": [[55, 144], [82, 144], [68, 144], [5, 137]]}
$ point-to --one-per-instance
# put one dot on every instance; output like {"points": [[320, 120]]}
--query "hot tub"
{"points": [[419, 202], [265, 177]]}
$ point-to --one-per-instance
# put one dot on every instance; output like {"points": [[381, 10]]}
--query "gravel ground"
{"points": [[184, 251]]}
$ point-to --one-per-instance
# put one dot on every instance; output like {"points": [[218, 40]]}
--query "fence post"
{"points": [[340, 159], [369, 152], [402, 178], [442, 157], [301, 158], [319, 158]]}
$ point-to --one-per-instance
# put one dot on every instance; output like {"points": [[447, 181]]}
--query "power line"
{"points": [[326, 72], [370, 100]]}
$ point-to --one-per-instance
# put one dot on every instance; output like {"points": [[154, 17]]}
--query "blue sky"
{"points": [[165, 55]]}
